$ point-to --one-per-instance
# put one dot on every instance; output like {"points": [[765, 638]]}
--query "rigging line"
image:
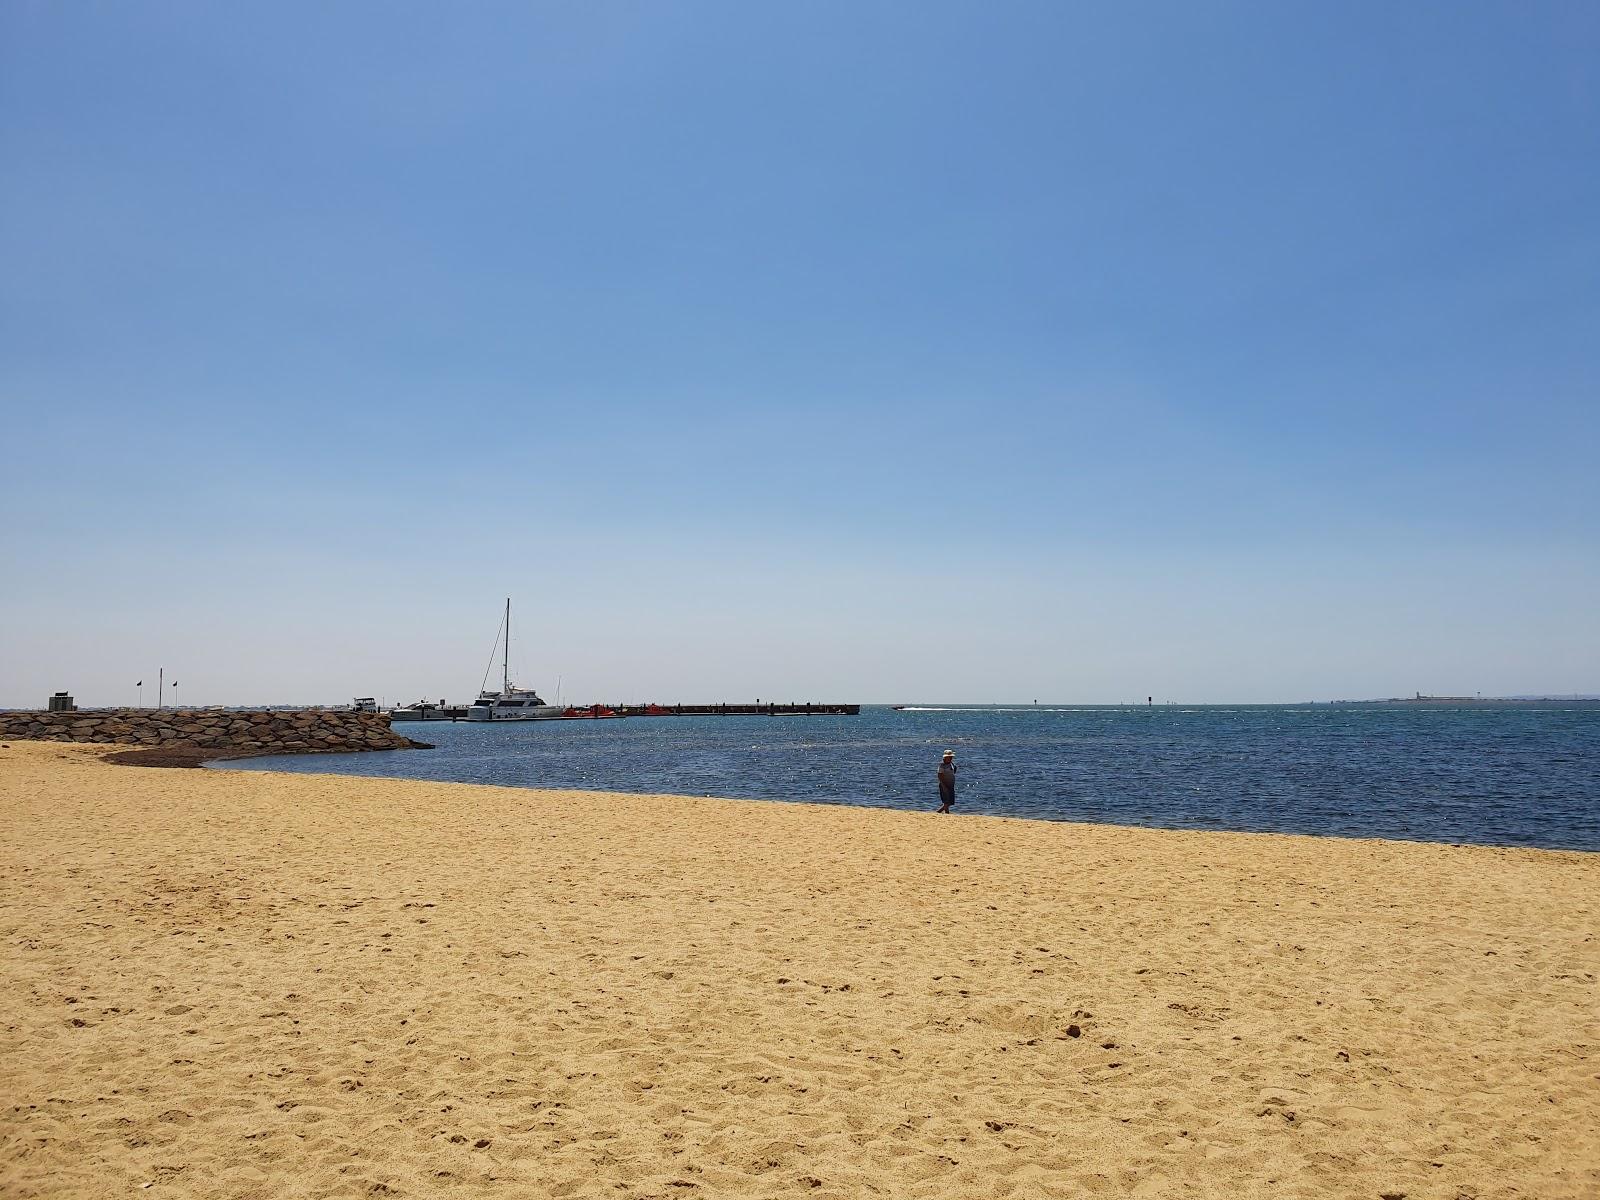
{"points": [[485, 680]]}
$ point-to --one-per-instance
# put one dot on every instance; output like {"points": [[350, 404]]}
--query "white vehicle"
{"points": [[511, 703], [364, 704]]}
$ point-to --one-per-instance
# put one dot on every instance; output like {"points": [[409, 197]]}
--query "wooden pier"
{"points": [[586, 712], [736, 710]]}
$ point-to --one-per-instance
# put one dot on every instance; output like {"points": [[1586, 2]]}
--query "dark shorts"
{"points": [[947, 795]]}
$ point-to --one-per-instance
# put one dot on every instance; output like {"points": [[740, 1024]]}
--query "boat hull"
{"points": [[537, 712], [428, 714]]}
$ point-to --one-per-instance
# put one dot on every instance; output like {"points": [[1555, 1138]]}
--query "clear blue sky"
{"points": [[817, 351]]}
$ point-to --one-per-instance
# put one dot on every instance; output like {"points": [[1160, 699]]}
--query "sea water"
{"points": [[1513, 774]]}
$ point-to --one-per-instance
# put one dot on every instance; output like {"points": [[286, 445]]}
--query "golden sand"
{"points": [[254, 985]]}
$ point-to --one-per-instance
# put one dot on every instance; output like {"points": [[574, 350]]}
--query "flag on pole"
{"points": [[139, 684]]}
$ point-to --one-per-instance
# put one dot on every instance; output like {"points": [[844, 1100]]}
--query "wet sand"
{"points": [[253, 985]]}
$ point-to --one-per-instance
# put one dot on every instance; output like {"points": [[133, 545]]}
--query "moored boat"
{"points": [[427, 710], [592, 711], [511, 703]]}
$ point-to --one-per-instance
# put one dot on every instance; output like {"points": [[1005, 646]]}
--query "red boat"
{"points": [[594, 710]]}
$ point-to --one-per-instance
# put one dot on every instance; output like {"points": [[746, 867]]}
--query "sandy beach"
{"points": [[245, 984]]}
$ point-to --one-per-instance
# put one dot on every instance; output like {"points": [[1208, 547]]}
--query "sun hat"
{"points": [[949, 753]]}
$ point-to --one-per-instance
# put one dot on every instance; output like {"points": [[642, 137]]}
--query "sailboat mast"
{"points": [[505, 662]]}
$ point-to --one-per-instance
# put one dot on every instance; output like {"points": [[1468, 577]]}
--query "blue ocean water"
{"points": [[1514, 775]]}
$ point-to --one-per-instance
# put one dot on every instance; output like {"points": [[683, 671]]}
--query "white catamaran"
{"points": [[510, 703]]}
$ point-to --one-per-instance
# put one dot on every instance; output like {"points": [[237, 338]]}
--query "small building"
{"points": [[61, 702]]}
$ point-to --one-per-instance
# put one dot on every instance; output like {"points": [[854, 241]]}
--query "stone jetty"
{"points": [[232, 734]]}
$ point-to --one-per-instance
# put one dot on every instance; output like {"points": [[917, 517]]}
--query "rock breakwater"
{"points": [[232, 734]]}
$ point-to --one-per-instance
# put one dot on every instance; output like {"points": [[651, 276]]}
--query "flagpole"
{"points": [[161, 679]]}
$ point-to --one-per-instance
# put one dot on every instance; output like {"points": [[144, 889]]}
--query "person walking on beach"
{"points": [[947, 781]]}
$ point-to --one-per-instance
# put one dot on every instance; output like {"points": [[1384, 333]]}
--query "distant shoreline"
{"points": [[905, 706], [1454, 701]]}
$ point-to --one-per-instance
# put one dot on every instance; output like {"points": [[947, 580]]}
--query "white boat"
{"points": [[428, 710], [511, 703]]}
